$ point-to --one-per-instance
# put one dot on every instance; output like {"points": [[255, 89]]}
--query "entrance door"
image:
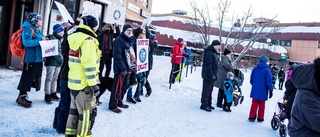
{"points": [[3, 32]]}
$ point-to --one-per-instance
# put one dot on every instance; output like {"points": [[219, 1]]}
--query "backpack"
{"points": [[16, 46]]}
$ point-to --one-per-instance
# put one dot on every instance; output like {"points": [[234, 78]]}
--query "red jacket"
{"points": [[177, 51]]}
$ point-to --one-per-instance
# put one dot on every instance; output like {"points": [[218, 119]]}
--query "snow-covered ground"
{"points": [[167, 112]]}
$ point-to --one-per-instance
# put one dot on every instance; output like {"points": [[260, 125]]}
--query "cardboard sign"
{"points": [[115, 14], [64, 12], [142, 55], [56, 18], [49, 48]]}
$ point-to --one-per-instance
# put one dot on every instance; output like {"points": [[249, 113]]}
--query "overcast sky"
{"points": [[287, 10]]}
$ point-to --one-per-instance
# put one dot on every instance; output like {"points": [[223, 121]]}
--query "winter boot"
{"points": [[54, 97], [206, 109], [22, 101], [130, 100], [116, 110], [137, 99], [148, 93], [47, 99]]}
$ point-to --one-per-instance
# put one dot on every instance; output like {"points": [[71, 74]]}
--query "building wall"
{"points": [[133, 12], [303, 50]]}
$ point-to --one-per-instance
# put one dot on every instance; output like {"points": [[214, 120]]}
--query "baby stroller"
{"points": [[237, 94], [278, 119]]}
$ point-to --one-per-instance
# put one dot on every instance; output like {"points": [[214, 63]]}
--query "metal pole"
{"points": [[46, 17]]}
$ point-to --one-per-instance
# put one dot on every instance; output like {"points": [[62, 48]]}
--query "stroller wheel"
{"points": [[274, 124], [283, 130]]}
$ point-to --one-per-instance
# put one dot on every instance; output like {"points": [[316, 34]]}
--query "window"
{"points": [[146, 3], [319, 45], [286, 43]]}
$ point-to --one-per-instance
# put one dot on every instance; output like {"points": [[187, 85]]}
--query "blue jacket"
{"points": [[261, 81], [33, 50], [187, 52], [121, 45], [228, 88]]}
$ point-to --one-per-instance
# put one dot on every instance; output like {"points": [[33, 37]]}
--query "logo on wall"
{"points": [[116, 14], [142, 55]]}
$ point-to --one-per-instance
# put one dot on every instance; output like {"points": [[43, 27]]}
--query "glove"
{"points": [[95, 89], [270, 94], [123, 73], [214, 78]]}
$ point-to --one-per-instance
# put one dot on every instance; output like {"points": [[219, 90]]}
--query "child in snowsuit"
{"points": [[228, 87]]}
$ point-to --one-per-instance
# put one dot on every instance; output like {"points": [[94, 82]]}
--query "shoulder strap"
{"points": [[32, 32]]}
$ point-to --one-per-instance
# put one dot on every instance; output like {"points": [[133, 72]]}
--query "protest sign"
{"points": [[142, 55], [115, 14], [49, 48], [64, 12]]}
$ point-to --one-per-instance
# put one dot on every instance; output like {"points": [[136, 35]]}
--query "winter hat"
{"points": [[66, 25], [90, 21], [152, 34], [125, 27], [57, 28], [180, 39], [229, 75], [264, 59], [137, 32], [33, 18], [226, 52], [215, 43]]}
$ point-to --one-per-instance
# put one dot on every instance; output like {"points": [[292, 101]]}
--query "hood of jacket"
{"points": [[303, 77], [178, 43], [75, 40], [27, 24], [262, 65]]}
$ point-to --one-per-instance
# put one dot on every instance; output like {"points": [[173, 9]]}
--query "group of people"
{"points": [[84, 50]]}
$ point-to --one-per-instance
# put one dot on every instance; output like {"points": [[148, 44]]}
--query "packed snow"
{"points": [[167, 112]]}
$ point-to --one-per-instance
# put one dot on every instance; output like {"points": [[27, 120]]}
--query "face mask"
{"points": [[107, 31]]}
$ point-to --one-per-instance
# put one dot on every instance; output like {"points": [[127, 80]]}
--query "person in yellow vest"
{"points": [[84, 58]]}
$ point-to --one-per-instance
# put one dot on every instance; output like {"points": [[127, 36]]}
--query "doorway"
{"points": [[4, 29]]}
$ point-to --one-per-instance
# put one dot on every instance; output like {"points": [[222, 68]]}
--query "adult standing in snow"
{"points": [[225, 66], [84, 57], [153, 45], [124, 62], [176, 59], [261, 82], [32, 62], [305, 118], [209, 74], [281, 77]]}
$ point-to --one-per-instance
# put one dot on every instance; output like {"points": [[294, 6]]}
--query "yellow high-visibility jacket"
{"points": [[84, 59]]}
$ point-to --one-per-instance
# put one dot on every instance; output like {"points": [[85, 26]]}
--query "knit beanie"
{"points": [[215, 43], [229, 75], [90, 21], [152, 34], [125, 27], [57, 28], [33, 18], [180, 39], [226, 52], [264, 59]]}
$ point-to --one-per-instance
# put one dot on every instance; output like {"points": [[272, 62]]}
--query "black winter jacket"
{"points": [[210, 64]]}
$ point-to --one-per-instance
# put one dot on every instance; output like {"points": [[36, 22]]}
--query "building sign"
{"points": [[144, 13], [142, 55], [134, 8], [115, 14]]}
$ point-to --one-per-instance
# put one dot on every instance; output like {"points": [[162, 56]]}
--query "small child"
{"points": [[228, 90]]}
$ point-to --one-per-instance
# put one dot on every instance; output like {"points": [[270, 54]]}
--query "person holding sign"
{"points": [[124, 62], [53, 65], [84, 57], [138, 33], [32, 62], [106, 46]]}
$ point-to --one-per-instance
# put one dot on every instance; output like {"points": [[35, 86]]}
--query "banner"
{"points": [[49, 48], [64, 12], [142, 55], [115, 14]]}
